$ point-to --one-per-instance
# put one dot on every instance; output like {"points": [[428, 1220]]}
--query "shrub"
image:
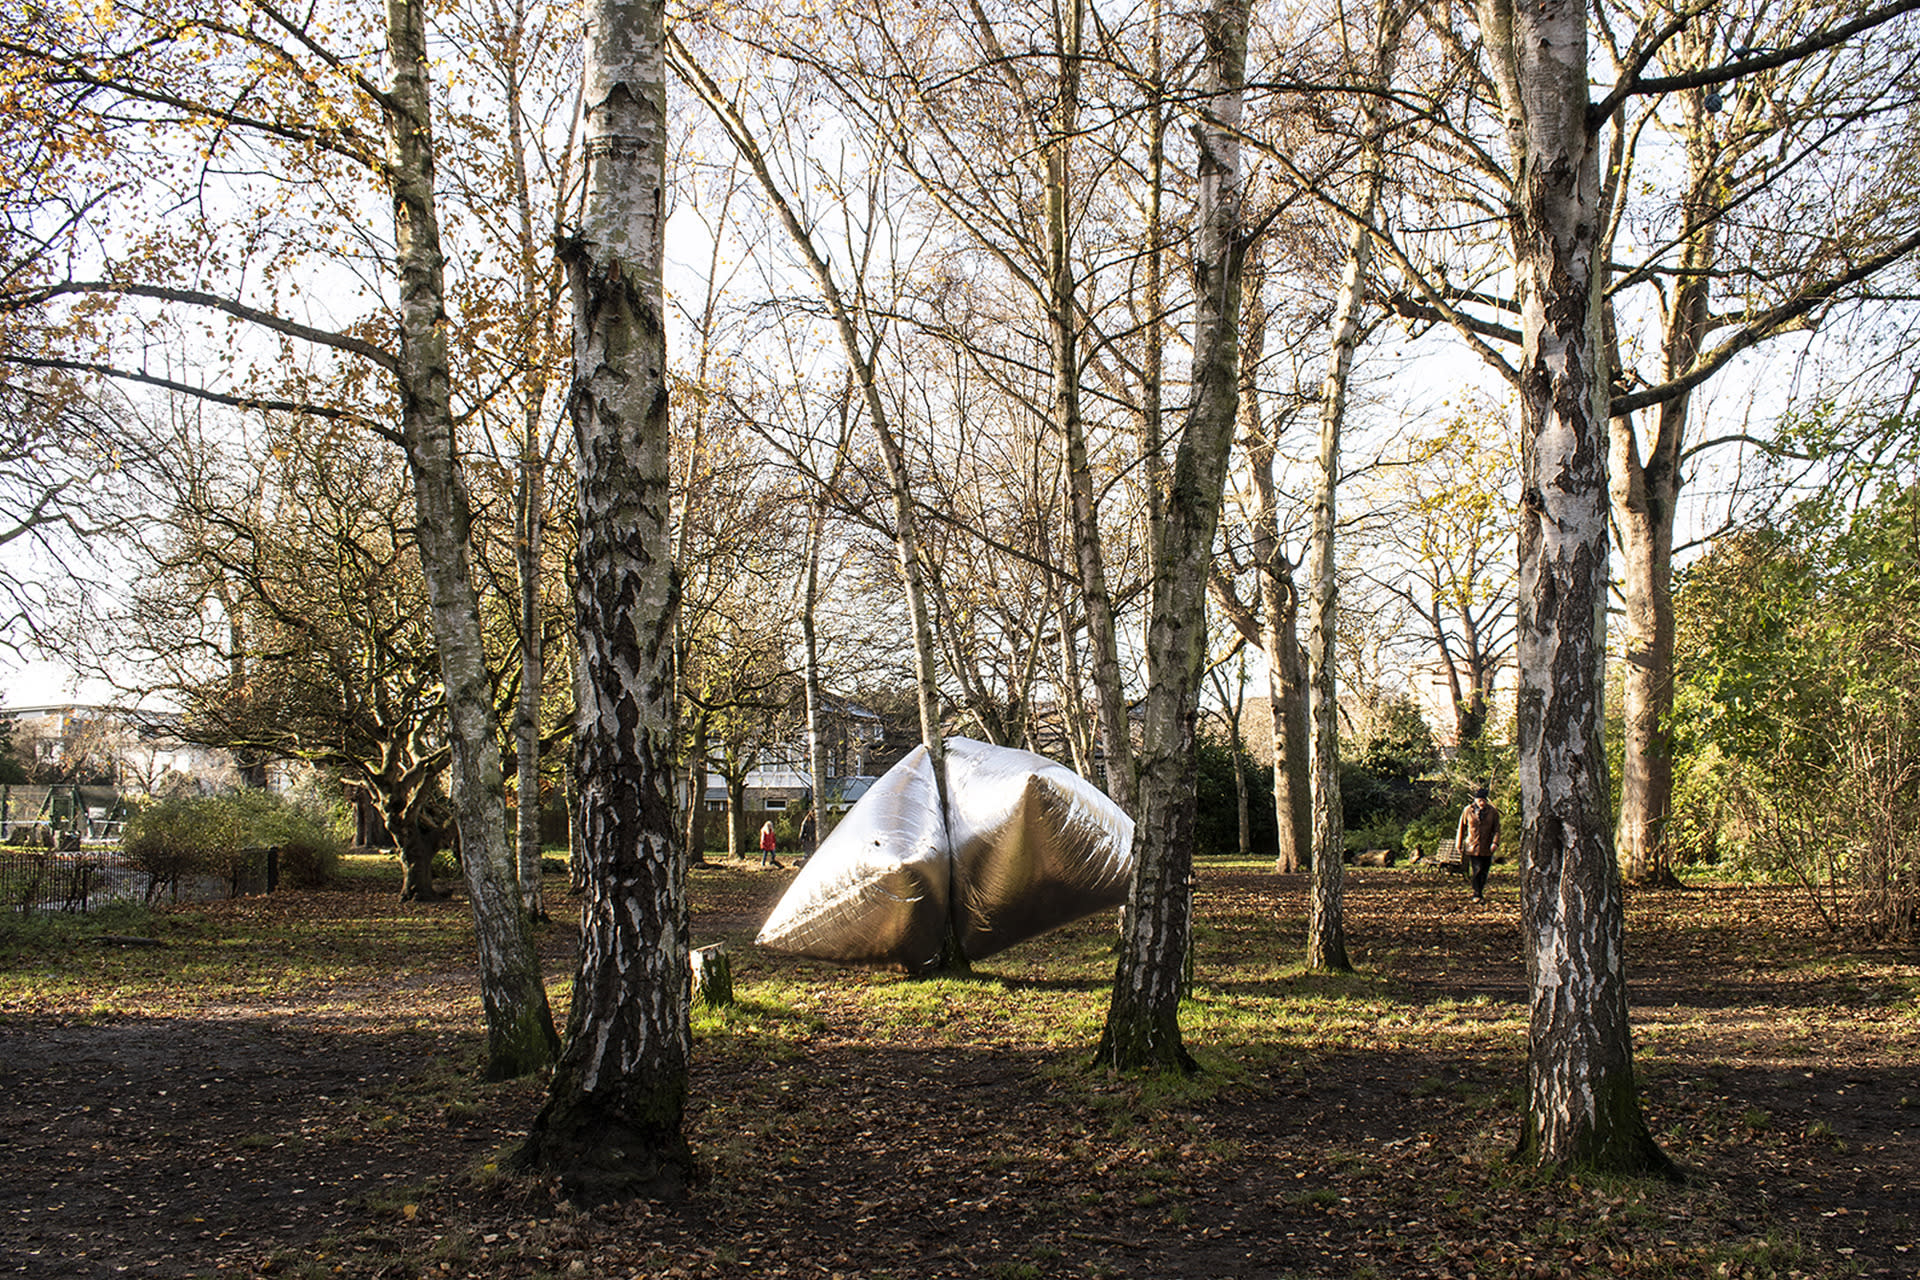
{"points": [[1377, 831], [308, 862], [304, 831], [1217, 823], [228, 835], [183, 835], [1798, 722], [1429, 833]]}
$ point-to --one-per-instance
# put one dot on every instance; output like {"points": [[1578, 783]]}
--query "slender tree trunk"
{"points": [[1582, 1105], [1279, 598], [1326, 920], [612, 1124], [736, 809], [816, 711], [1241, 810], [906, 538], [1287, 698], [1645, 522], [1326, 917], [1645, 493], [693, 818], [1143, 1017], [530, 500], [520, 1035], [1052, 137], [529, 533], [1072, 710], [1063, 322], [1153, 435]]}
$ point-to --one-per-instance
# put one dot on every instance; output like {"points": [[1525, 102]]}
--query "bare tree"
{"points": [[1583, 1106], [1143, 1026], [377, 140], [612, 1124]]}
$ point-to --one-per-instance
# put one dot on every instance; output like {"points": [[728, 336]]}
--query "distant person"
{"points": [[809, 832], [768, 844], [1478, 837]]}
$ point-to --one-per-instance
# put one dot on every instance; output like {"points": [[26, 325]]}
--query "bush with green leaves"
{"points": [[184, 836], [1797, 706], [1217, 821], [1391, 781], [229, 835]]}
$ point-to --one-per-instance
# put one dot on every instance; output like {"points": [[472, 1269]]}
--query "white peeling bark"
{"points": [[1143, 1026], [520, 1036], [1582, 1107], [612, 1125]]}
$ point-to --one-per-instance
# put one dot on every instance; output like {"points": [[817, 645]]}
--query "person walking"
{"points": [[1478, 837], [768, 844], [809, 832]]}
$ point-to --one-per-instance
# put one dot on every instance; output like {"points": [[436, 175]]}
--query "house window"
{"points": [[774, 806], [716, 806]]}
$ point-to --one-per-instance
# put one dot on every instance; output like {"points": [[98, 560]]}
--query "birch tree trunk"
{"points": [[1063, 323], [535, 336], [1143, 1022], [1326, 916], [520, 1035], [1279, 598], [1582, 1105], [816, 711], [612, 1124]]}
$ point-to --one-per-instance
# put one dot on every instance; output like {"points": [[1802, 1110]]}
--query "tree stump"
{"points": [[712, 976]]}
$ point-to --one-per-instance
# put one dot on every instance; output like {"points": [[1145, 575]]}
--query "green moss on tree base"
{"points": [[523, 1046], [1143, 1042], [603, 1154], [1617, 1141]]}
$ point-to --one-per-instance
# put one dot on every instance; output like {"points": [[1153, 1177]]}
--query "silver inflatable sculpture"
{"points": [[1028, 846]]}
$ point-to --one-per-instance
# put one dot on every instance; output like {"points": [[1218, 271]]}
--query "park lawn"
{"points": [[290, 1086]]}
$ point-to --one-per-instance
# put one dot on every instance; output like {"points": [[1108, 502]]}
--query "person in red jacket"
{"points": [[768, 844], [1478, 837]]}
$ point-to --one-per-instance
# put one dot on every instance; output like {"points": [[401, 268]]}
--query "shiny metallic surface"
{"points": [[1033, 846], [875, 892]]}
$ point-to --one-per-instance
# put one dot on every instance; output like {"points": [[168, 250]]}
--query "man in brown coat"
{"points": [[1478, 837]]}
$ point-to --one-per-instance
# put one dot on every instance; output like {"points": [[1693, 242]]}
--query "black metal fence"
{"points": [[45, 880]]}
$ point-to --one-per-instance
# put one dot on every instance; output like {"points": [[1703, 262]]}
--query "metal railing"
{"points": [[45, 880]]}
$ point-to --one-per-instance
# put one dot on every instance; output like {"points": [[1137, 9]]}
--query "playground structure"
{"points": [[59, 848], [65, 816]]}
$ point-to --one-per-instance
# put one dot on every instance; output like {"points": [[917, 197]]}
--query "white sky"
{"points": [[41, 684]]}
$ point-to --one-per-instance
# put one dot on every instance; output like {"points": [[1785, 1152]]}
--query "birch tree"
{"points": [[1583, 1106], [1326, 916], [519, 1024], [513, 53], [1267, 614], [303, 115], [983, 111], [1143, 1025], [861, 352], [612, 1123]]}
